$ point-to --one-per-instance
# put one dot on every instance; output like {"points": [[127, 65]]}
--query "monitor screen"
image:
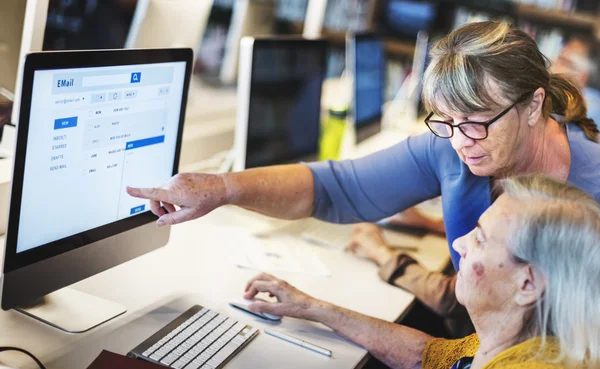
{"points": [[85, 24], [369, 79], [405, 18], [285, 101], [92, 132]]}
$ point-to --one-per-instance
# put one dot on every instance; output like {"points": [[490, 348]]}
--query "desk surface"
{"points": [[196, 267]]}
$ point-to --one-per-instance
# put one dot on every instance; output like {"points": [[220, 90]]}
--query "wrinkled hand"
{"points": [[290, 301], [195, 194], [367, 239]]}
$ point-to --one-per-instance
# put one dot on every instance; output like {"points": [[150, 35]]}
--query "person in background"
{"points": [[580, 60], [528, 278]]}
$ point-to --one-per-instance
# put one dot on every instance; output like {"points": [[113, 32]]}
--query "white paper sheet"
{"points": [[278, 253]]}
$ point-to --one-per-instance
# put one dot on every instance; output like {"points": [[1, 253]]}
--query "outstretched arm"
{"points": [[285, 191]]}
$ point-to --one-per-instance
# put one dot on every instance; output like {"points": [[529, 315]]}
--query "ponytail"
{"points": [[567, 100]]}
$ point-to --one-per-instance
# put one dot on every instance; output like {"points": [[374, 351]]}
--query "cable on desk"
{"points": [[39, 363]]}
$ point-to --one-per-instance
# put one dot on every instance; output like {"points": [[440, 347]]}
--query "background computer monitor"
{"points": [[86, 25], [366, 67], [250, 18], [279, 101], [96, 122], [30, 31], [169, 23]]}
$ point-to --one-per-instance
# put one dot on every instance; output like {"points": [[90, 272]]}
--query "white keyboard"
{"points": [[199, 338]]}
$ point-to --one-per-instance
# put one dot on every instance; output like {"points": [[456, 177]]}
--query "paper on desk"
{"points": [[278, 253]]}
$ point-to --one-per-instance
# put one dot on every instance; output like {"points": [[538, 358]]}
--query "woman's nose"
{"points": [[459, 246], [459, 140]]}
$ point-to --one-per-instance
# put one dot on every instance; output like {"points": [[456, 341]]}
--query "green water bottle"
{"points": [[332, 133]]}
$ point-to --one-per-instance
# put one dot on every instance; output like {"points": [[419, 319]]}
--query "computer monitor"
{"points": [[87, 25], [250, 18], [279, 101], [95, 123], [23, 24], [366, 67], [169, 23]]}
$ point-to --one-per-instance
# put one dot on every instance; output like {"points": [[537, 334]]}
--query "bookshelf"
{"points": [[558, 17], [334, 36], [397, 48]]}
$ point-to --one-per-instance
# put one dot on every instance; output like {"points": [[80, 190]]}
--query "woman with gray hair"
{"points": [[528, 277], [491, 97]]}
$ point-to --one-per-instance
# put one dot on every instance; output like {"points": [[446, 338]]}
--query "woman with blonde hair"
{"points": [[528, 278]]}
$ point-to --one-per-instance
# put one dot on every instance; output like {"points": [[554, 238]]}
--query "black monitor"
{"points": [[366, 65], [279, 101], [82, 24], [91, 124]]}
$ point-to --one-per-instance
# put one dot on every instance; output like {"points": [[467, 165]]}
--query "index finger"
{"points": [[156, 194]]}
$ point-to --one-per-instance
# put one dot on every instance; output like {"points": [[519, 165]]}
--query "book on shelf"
{"points": [[550, 40], [584, 6], [291, 10], [347, 15]]}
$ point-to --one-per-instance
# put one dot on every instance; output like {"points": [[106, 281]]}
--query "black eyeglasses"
{"points": [[473, 130]]}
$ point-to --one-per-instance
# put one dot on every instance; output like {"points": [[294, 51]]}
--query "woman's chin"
{"points": [[481, 170]]}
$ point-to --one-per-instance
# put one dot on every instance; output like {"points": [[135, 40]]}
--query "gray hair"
{"points": [[464, 63], [559, 234]]}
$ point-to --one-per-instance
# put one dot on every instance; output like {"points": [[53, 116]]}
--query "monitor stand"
{"points": [[72, 311]]}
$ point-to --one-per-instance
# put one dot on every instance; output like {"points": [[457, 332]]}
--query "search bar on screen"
{"points": [[107, 80]]}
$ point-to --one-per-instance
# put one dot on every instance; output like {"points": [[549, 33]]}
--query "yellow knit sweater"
{"points": [[442, 354]]}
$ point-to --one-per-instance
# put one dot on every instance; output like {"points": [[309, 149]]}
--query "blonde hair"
{"points": [[463, 63], [559, 234]]}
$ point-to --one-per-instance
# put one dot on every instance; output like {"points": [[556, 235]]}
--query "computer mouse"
{"points": [[244, 304]]}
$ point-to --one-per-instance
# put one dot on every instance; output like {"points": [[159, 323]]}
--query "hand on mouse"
{"points": [[290, 301]]}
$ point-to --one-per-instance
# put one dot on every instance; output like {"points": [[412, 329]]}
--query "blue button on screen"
{"points": [[65, 123], [136, 77], [137, 209]]}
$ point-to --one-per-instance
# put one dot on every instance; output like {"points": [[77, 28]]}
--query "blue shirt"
{"points": [[421, 168]]}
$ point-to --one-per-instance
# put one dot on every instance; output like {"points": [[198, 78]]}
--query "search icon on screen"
{"points": [[136, 77]]}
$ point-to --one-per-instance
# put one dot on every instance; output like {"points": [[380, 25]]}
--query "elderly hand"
{"points": [[367, 239], [195, 194], [413, 217], [290, 301]]}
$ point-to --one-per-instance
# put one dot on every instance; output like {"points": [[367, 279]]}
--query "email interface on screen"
{"points": [[92, 133]]}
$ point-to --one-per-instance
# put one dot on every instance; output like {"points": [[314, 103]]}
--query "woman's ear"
{"points": [[530, 286], [536, 107]]}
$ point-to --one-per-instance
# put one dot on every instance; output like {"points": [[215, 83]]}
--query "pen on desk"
{"points": [[298, 342]]}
